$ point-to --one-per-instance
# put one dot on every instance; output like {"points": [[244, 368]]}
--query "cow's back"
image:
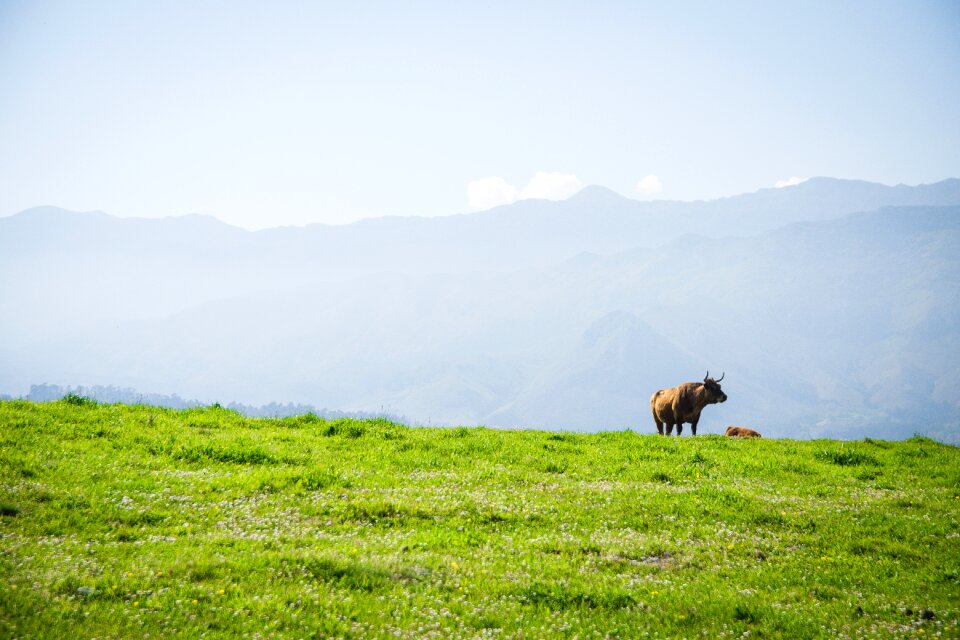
{"points": [[742, 432]]}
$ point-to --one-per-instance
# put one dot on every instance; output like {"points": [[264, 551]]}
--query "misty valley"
{"points": [[832, 306]]}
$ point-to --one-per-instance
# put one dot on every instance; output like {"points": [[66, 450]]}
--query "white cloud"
{"points": [[489, 192], [551, 185], [650, 186], [494, 191], [789, 182]]}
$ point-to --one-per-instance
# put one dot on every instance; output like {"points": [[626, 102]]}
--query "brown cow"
{"points": [[742, 432], [684, 403]]}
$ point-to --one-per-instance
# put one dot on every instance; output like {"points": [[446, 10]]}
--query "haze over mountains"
{"points": [[833, 307]]}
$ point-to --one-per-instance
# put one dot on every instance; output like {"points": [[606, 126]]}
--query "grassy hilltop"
{"points": [[138, 522]]}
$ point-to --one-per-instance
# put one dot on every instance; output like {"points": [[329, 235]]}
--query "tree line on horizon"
{"points": [[110, 394]]}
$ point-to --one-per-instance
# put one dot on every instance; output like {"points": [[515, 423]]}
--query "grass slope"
{"points": [[140, 522]]}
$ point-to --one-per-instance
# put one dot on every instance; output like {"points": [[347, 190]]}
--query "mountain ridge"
{"points": [[592, 194]]}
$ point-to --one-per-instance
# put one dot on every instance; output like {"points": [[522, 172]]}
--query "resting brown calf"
{"points": [[742, 432], [684, 403]]}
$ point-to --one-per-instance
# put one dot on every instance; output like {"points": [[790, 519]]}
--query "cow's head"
{"points": [[712, 387]]}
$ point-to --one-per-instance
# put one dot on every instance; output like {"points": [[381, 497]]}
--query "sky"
{"points": [[265, 114]]}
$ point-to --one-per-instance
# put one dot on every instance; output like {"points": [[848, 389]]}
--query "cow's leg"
{"points": [[679, 428], [693, 426], [669, 427], [659, 427]]}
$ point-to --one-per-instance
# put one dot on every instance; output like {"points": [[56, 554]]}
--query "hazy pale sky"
{"points": [[274, 113]]}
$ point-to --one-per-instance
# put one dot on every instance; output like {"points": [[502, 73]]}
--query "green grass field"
{"points": [[138, 522]]}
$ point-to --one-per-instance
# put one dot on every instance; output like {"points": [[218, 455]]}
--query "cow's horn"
{"points": [[706, 376], [721, 376]]}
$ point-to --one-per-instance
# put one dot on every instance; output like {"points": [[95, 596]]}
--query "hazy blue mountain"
{"points": [[841, 324], [104, 269]]}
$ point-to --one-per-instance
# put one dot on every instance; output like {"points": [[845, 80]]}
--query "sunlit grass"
{"points": [[127, 521]]}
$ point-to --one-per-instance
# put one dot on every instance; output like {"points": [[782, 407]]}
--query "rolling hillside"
{"points": [[124, 521]]}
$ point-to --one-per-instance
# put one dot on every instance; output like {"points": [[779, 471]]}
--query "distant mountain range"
{"points": [[832, 306]]}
